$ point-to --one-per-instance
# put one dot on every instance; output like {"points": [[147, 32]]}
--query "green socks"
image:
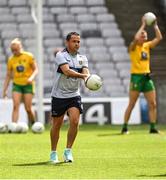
{"points": [[152, 125], [125, 125]]}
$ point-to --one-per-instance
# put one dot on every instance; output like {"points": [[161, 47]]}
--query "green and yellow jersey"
{"points": [[21, 66], [140, 59]]}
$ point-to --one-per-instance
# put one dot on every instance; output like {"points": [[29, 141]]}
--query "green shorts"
{"points": [[141, 83], [24, 89]]}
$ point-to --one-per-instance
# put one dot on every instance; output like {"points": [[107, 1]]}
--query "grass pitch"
{"points": [[100, 152]]}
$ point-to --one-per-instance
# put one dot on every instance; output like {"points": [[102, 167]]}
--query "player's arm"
{"points": [[85, 70], [137, 35], [158, 37], [6, 82], [71, 73], [132, 45], [35, 72]]}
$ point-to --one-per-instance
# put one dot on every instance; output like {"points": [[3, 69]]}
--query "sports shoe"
{"points": [[68, 155], [54, 157], [124, 131], [154, 131]]}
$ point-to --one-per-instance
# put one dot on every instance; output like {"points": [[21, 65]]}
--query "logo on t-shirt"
{"points": [[144, 56], [20, 68]]}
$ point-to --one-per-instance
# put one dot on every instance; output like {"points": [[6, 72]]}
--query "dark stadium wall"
{"points": [[161, 102]]}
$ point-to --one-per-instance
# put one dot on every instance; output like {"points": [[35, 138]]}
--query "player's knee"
{"points": [[28, 110], [152, 105], [131, 105], [56, 124], [74, 122], [15, 107], [56, 127]]}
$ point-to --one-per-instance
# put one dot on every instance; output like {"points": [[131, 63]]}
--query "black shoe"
{"points": [[154, 131], [124, 131]]}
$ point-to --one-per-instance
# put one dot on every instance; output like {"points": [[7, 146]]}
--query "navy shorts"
{"points": [[60, 105]]}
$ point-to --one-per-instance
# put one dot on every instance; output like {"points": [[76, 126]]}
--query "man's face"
{"points": [[73, 44]]}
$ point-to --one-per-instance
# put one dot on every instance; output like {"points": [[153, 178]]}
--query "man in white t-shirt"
{"points": [[70, 69]]}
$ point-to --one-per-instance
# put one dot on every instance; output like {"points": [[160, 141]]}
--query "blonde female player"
{"points": [[22, 69], [140, 81]]}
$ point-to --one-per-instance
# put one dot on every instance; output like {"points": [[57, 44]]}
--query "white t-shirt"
{"points": [[64, 86]]}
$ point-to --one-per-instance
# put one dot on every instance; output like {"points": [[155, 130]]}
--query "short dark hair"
{"points": [[68, 37]]}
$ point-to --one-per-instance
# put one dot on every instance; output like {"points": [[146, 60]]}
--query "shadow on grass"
{"points": [[40, 164], [135, 132], [109, 134], [157, 175], [118, 134]]}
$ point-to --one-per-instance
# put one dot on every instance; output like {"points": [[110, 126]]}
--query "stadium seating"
{"points": [[95, 2], [17, 3], [58, 10], [98, 10], [101, 41], [3, 3], [75, 3], [78, 10]]}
